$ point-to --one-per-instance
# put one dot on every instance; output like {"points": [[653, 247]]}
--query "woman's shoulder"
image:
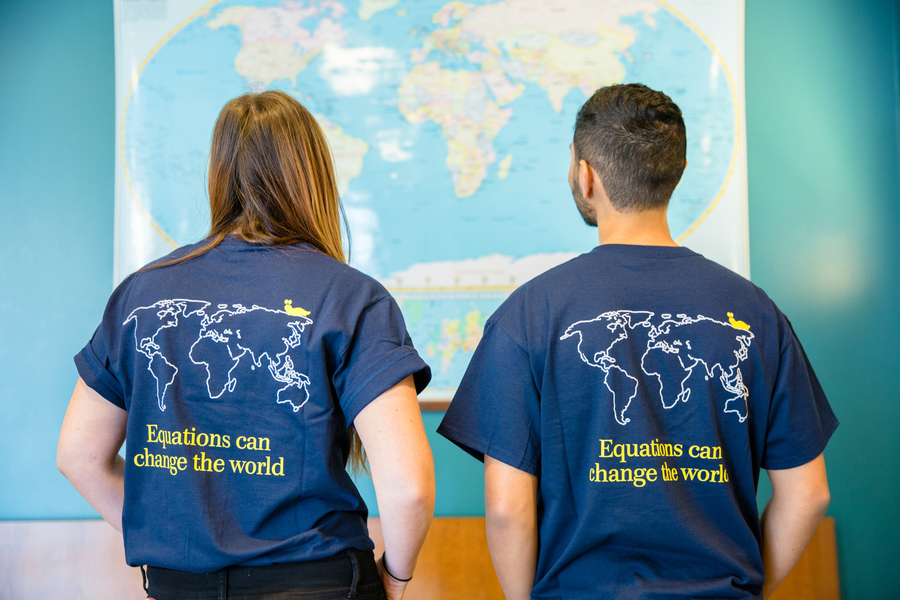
{"points": [[255, 267], [313, 267], [351, 278], [175, 255]]}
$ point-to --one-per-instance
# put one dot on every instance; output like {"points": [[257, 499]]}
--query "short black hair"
{"points": [[634, 137]]}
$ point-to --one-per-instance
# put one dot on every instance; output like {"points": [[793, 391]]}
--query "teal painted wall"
{"points": [[822, 105], [825, 242], [57, 133]]}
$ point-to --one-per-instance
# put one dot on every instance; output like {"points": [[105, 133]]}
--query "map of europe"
{"points": [[221, 340], [675, 353], [449, 123]]}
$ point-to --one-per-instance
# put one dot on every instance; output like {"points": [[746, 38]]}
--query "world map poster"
{"points": [[449, 123]]}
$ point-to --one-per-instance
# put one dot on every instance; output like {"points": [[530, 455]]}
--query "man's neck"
{"points": [[646, 228]]}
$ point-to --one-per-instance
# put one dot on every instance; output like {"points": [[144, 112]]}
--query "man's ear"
{"points": [[586, 179]]}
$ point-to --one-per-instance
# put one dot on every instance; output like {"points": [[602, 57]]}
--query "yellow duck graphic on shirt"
{"points": [[297, 311], [737, 324]]}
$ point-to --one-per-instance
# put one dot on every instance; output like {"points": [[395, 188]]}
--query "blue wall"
{"points": [[57, 132], [822, 97], [822, 104]]}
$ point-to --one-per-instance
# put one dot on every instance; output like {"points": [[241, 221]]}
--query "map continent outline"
{"points": [[223, 341], [665, 342]]}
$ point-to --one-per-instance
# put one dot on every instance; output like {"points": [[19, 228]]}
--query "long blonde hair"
{"points": [[271, 182]]}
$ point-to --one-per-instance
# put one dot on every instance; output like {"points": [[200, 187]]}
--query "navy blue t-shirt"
{"points": [[241, 371], [645, 387]]}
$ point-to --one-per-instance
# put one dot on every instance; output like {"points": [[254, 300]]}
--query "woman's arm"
{"points": [[391, 431], [790, 519], [88, 452]]}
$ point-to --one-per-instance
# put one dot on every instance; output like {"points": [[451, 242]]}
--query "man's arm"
{"points": [[88, 452], [790, 519], [392, 433], [510, 504]]}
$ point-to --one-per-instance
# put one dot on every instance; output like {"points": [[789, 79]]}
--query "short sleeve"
{"points": [[95, 373], [800, 419], [380, 355], [97, 362], [496, 410]]}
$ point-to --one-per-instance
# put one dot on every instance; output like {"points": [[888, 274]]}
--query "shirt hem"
{"points": [[477, 450], [384, 378], [802, 459], [94, 381]]}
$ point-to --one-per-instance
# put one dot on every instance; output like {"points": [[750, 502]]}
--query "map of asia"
{"points": [[450, 126]]}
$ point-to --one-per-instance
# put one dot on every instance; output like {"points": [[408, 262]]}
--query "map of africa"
{"points": [[228, 337], [676, 351], [449, 123]]}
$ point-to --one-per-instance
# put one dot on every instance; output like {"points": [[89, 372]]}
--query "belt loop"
{"points": [[223, 584], [144, 577], [354, 562]]}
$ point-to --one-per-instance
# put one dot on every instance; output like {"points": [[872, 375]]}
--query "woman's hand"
{"points": [[393, 588]]}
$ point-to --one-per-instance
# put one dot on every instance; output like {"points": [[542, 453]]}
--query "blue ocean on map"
{"points": [[424, 181]]}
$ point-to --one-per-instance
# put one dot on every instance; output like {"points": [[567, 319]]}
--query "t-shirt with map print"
{"points": [[241, 370], [645, 387]]}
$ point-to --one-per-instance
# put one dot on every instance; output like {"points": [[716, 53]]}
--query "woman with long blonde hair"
{"points": [[245, 373]]}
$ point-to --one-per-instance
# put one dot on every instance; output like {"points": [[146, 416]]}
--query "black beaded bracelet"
{"points": [[392, 576]]}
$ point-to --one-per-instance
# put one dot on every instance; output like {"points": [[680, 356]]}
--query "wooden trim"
{"points": [[85, 559], [434, 405], [816, 575], [454, 562], [65, 559]]}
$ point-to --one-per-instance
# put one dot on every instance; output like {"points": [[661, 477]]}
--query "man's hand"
{"points": [[510, 505]]}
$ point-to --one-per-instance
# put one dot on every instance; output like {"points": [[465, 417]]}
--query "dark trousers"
{"points": [[350, 574]]}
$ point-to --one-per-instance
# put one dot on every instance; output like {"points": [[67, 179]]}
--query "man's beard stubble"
{"points": [[584, 208]]}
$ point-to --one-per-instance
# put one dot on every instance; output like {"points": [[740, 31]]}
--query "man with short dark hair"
{"points": [[625, 401]]}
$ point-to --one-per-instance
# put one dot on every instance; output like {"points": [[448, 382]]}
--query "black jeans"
{"points": [[350, 574]]}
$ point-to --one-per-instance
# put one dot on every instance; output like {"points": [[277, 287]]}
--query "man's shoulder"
{"points": [[536, 290], [668, 278], [728, 281], [565, 274], [601, 264]]}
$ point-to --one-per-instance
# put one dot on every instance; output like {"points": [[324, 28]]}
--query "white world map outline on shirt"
{"points": [[214, 328], [665, 339]]}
